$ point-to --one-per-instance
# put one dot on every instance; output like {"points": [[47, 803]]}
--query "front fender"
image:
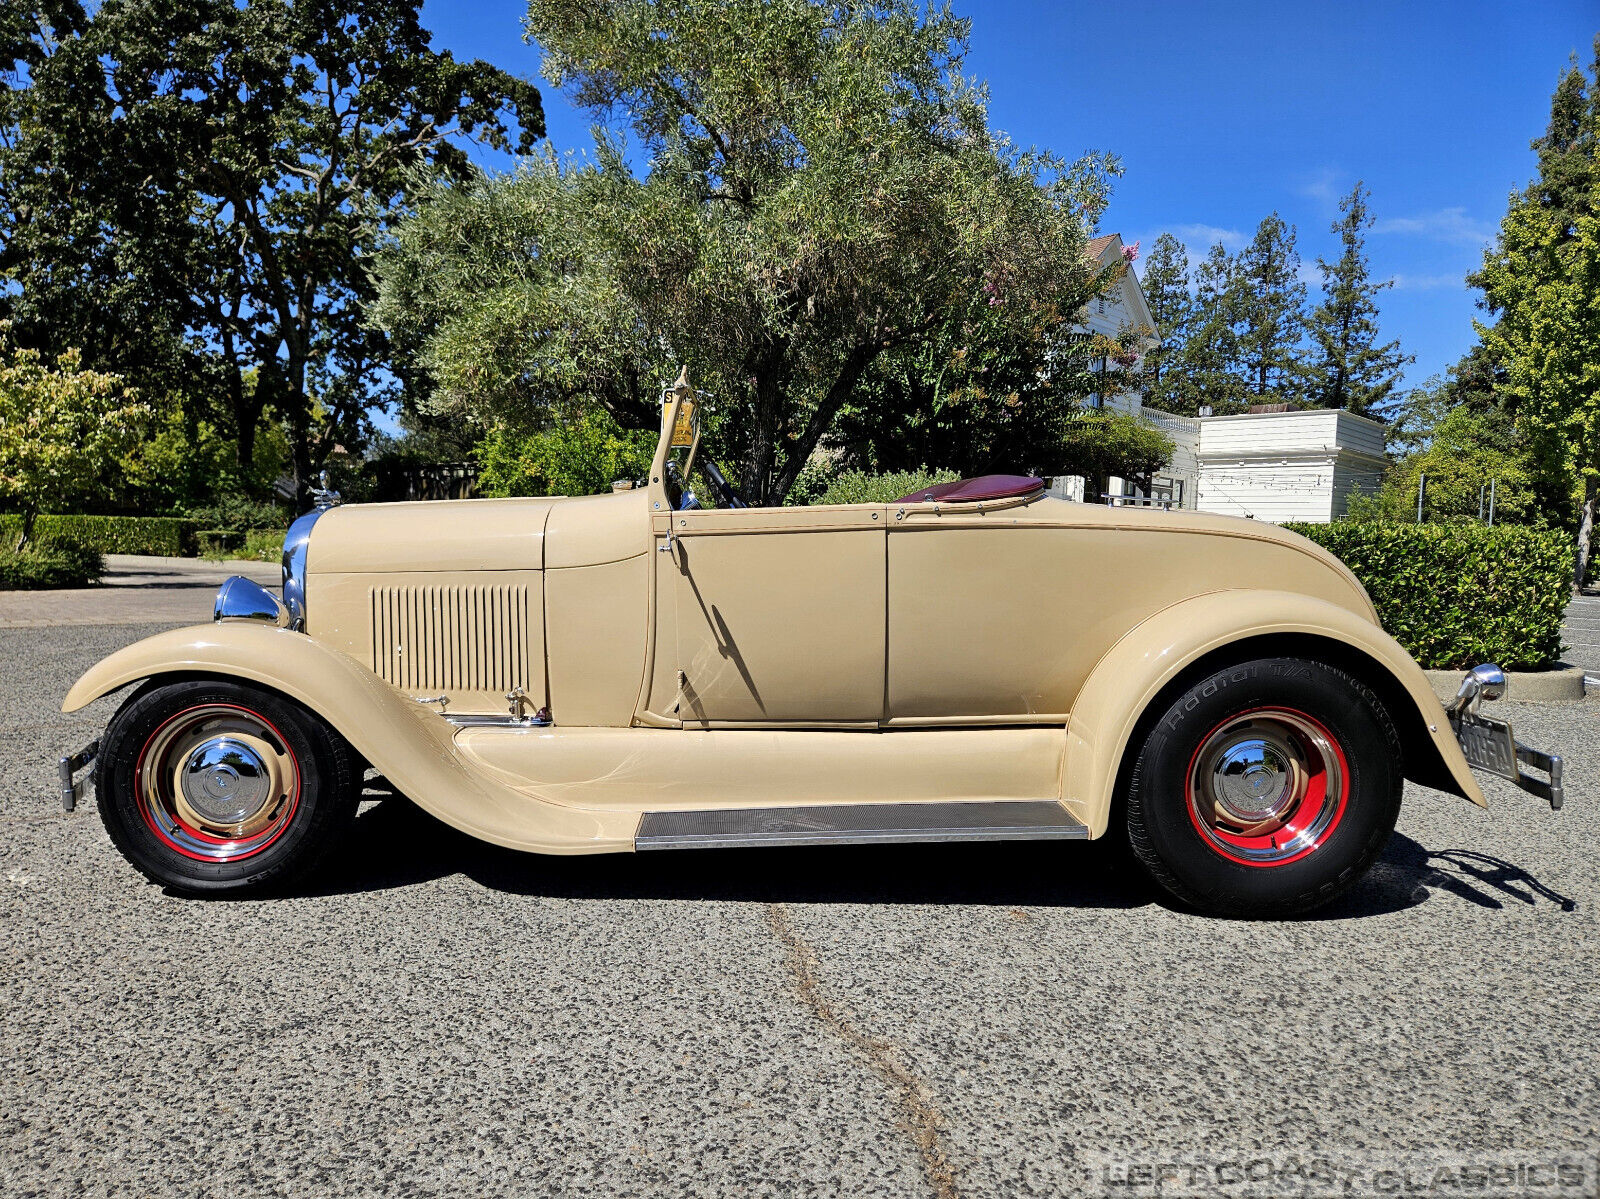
{"points": [[413, 748], [1130, 676]]}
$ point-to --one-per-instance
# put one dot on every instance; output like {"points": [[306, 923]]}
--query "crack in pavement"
{"points": [[922, 1120]]}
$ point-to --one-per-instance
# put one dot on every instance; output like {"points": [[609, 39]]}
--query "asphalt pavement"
{"points": [[1580, 637], [433, 1016], [135, 589]]}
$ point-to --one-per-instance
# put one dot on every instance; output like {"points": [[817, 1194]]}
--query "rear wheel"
{"points": [[1266, 788], [214, 787]]}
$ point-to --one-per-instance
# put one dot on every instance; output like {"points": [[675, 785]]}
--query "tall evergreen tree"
{"points": [[1540, 280], [1207, 362], [1349, 367], [1166, 292], [1269, 314]]}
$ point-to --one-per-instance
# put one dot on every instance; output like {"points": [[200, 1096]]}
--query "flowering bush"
{"points": [[61, 428]]}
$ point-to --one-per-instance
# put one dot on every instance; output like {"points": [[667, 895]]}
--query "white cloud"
{"points": [[1428, 282], [1323, 187], [1203, 237], [1450, 225]]}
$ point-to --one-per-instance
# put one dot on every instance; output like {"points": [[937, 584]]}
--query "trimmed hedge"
{"points": [[1458, 595], [167, 536]]}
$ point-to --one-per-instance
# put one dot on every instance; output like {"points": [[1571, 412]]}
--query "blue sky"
{"points": [[1223, 113]]}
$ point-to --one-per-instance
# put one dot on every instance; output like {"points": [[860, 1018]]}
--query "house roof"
{"points": [[1105, 249]]}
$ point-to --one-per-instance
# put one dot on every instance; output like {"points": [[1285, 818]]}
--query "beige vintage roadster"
{"points": [[651, 670]]}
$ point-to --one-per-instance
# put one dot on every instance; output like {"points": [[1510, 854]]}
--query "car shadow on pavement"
{"points": [[399, 845], [1408, 873]]}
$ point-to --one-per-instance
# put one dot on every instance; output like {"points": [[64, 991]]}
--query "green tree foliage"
{"points": [[1165, 280], [980, 394], [581, 456], [196, 188], [860, 487], [1102, 444], [1268, 316], [1540, 281], [820, 188], [1466, 450], [61, 427], [1207, 361], [1348, 367], [1473, 383]]}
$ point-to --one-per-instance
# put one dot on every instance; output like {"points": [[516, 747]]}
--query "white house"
{"points": [[1276, 466], [1121, 310]]}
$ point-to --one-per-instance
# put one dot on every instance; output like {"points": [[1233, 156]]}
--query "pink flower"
{"points": [[1129, 253]]}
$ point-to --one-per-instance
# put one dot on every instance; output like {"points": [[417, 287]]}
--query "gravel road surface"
{"points": [[437, 1017]]}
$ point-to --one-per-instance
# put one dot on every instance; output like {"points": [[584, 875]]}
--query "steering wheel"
{"points": [[730, 497]]}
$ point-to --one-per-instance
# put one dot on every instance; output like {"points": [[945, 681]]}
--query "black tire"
{"points": [[1313, 708], [316, 772]]}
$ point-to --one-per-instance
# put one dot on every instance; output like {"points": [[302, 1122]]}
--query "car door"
{"points": [[991, 619], [778, 614]]}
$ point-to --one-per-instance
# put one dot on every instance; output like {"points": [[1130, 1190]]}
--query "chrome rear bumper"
{"points": [[1490, 745]]}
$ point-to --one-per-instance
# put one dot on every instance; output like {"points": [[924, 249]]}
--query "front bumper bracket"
{"points": [[72, 789], [1490, 745]]}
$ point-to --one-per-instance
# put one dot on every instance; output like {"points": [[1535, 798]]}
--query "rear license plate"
{"points": [[1487, 744]]}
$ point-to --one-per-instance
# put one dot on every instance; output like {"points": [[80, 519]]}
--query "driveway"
{"points": [[433, 1016], [134, 590]]}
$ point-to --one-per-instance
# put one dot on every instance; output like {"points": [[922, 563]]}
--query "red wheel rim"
{"points": [[1267, 787], [217, 783]]}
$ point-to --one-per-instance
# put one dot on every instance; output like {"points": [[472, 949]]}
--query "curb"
{"points": [[1561, 684]]}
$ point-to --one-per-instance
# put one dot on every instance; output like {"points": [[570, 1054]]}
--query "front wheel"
{"points": [[213, 787], [1266, 788]]}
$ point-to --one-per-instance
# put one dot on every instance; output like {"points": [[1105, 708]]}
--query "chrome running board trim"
{"points": [[860, 824]]}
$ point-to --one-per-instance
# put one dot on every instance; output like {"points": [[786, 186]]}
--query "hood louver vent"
{"points": [[451, 639]]}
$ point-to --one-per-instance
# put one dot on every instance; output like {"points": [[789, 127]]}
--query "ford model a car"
{"points": [[650, 669]]}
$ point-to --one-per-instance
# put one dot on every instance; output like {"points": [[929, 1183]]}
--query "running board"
{"points": [[860, 824]]}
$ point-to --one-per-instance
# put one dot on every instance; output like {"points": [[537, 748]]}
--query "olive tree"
{"points": [[789, 191]]}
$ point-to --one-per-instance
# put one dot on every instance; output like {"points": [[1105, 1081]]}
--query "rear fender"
{"points": [[1130, 677], [412, 747]]}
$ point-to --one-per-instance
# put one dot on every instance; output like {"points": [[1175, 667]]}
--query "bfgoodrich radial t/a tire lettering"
{"points": [[1266, 788]]}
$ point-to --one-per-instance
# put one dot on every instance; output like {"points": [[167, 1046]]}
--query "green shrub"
{"points": [[263, 545], [1456, 595], [168, 536], [858, 487], [240, 514], [52, 564], [85, 561], [218, 544]]}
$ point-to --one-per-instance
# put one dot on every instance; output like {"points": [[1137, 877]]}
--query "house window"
{"points": [[1100, 305]]}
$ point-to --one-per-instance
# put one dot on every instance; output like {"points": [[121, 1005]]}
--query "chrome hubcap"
{"points": [[217, 783], [1266, 787], [1256, 777], [225, 781]]}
